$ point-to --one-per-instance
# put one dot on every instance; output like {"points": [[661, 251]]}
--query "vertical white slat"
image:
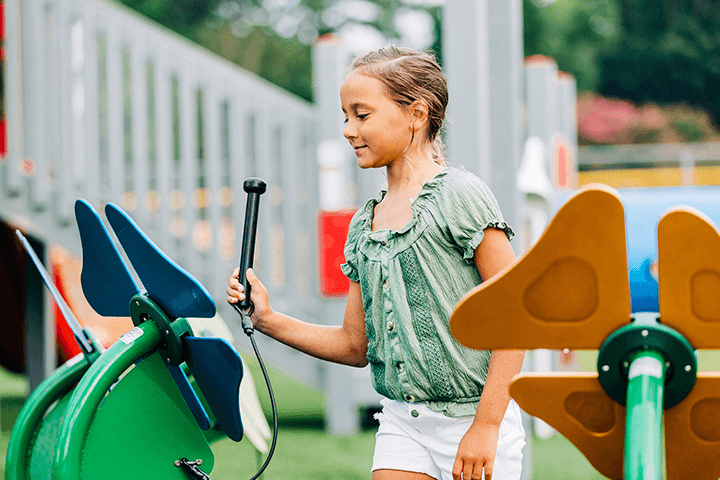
{"points": [[139, 126], [278, 258], [91, 95], [51, 173], [163, 145], [14, 92], [311, 209], [199, 259], [115, 114], [290, 206], [263, 256], [307, 223], [35, 98], [188, 157], [213, 171], [64, 131], [237, 118]]}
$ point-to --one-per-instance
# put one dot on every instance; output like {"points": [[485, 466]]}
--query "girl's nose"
{"points": [[349, 131]]}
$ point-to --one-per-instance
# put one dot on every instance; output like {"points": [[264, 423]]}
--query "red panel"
{"points": [[67, 344], [332, 236], [3, 138]]}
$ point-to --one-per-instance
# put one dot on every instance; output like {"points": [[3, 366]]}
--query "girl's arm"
{"points": [[346, 344], [478, 446]]}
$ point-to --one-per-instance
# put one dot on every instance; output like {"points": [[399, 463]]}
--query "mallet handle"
{"points": [[254, 188]]}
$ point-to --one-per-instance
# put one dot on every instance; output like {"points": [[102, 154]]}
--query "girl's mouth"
{"points": [[357, 149]]}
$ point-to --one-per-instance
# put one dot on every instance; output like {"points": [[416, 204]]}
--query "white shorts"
{"points": [[414, 438]]}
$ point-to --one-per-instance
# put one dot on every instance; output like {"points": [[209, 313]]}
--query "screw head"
{"points": [[176, 463], [606, 368], [644, 333], [688, 368]]}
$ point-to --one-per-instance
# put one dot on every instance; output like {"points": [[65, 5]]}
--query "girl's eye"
{"points": [[345, 121], [362, 116]]}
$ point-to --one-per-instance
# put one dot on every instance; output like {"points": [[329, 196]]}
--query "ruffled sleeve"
{"points": [[469, 207], [350, 267]]}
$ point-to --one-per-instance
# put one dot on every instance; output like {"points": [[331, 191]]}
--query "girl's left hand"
{"points": [[475, 452]]}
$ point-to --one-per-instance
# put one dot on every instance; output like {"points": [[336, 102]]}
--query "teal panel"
{"points": [[43, 448], [142, 427]]}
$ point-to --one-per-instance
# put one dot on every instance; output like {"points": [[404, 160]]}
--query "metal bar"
{"points": [[115, 112], [188, 158], [67, 313], [212, 103], [35, 101], [14, 86], [65, 174], [644, 421], [91, 102], [163, 144], [139, 127]]}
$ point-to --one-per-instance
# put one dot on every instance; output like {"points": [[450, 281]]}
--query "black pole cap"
{"points": [[255, 185]]}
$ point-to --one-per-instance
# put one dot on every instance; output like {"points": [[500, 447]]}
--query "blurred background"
{"points": [[166, 106]]}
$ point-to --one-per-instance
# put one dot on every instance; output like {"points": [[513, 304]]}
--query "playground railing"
{"points": [[105, 105]]}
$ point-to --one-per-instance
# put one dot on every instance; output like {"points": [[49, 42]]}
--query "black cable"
{"points": [[249, 330]]}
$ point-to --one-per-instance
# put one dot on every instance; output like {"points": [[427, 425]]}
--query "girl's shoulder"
{"points": [[457, 176], [459, 185]]}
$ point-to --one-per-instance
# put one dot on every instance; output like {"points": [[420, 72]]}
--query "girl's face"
{"points": [[378, 128]]}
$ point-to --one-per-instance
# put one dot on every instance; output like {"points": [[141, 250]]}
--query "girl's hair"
{"points": [[409, 75]]}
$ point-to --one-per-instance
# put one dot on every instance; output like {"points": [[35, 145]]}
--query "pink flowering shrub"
{"points": [[614, 121]]}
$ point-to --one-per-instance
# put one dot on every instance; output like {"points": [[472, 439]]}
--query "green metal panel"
{"points": [[40, 464], [643, 426], [142, 427], [91, 392], [31, 428]]}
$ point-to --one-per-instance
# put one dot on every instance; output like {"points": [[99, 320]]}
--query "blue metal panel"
{"points": [[643, 209]]}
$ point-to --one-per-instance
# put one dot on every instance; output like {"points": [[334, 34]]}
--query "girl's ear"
{"points": [[419, 111]]}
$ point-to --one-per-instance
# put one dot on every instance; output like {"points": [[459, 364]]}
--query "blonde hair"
{"points": [[409, 76]]}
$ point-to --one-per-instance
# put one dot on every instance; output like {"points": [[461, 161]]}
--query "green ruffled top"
{"points": [[411, 280]]}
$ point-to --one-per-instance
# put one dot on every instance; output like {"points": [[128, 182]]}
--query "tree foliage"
{"points": [[273, 38], [669, 52], [663, 51], [646, 51], [573, 32], [181, 16]]}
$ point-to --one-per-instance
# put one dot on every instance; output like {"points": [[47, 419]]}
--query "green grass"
{"points": [[306, 452], [311, 454]]}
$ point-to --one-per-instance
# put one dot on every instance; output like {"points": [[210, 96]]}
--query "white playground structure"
{"points": [[105, 105]]}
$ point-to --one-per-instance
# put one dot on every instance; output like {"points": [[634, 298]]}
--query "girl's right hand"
{"points": [[258, 295]]}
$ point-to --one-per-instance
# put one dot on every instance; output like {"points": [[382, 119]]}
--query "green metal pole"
{"points": [[32, 414], [644, 416], [91, 390]]}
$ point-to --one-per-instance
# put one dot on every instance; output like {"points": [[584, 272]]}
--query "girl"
{"points": [[411, 255]]}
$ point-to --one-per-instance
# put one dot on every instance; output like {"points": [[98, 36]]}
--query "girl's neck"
{"points": [[409, 173]]}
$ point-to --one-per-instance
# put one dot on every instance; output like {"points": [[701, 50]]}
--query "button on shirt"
{"points": [[411, 280]]}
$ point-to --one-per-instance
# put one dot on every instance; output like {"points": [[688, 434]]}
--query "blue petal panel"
{"points": [[217, 369], [168, 284], [191, 398], [106, 281]]}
